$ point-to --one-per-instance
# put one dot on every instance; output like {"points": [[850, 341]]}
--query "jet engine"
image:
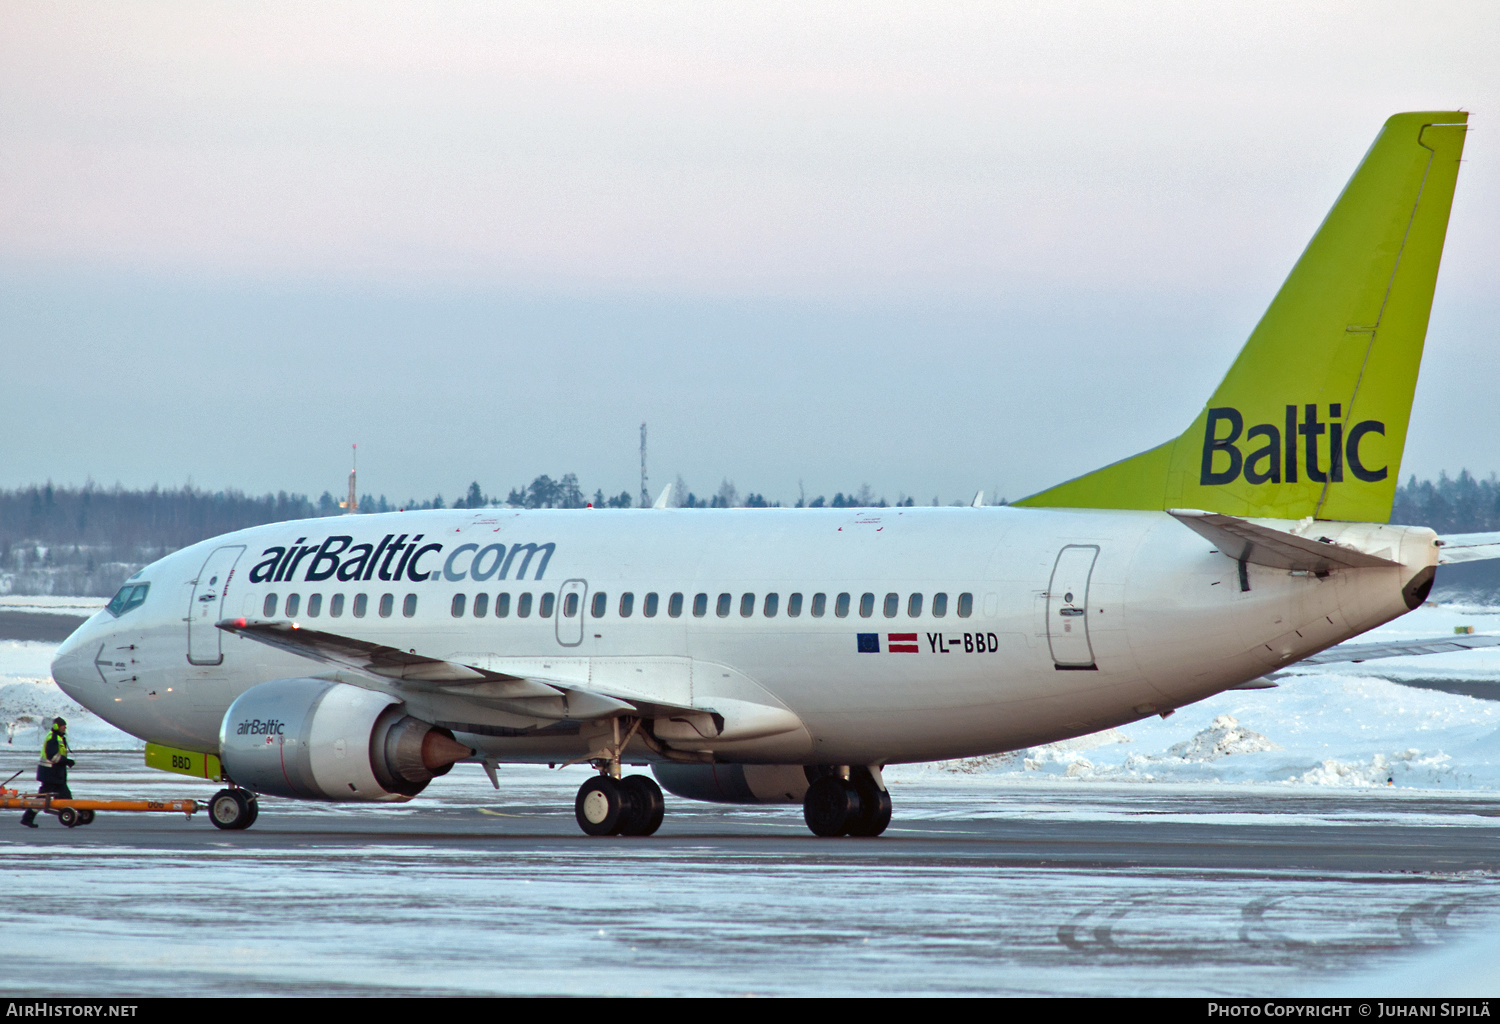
{"points": [[735, 783], [319, 740]]}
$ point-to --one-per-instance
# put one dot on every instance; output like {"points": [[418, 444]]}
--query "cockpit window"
{"points": [[131, 596]]}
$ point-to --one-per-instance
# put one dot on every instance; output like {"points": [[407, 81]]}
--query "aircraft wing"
{"points": [[535, 694], [1242, 539], [1402, 648], [532, 695], [1468, 547]]}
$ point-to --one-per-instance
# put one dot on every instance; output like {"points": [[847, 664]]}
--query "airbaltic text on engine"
{"points": [[339, 557]]}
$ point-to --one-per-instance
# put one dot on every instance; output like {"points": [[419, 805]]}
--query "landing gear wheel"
{"points": [[644, 806], [85, 817], [232, 809], [830, 805], [874, 810], [67, 817], [600, 802]]}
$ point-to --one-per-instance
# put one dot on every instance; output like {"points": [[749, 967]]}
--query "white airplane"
{"points": [[788, 655]]}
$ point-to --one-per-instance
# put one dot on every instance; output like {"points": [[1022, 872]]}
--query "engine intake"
{"points": [[318, 740]]}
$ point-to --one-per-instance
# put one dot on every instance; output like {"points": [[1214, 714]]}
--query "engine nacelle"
{"points": [[735, 783], [318, 740]]}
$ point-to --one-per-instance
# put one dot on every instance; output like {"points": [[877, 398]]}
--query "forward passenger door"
{"points": [[207, 607]]}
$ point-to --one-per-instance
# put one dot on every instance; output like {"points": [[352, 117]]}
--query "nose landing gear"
{"points": [[233, 809], [856, 805]]}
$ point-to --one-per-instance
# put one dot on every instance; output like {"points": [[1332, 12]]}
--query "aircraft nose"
{"points": [[73, 666]]}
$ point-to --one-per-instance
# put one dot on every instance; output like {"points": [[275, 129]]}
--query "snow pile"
{"points": [[1222, 738], [1063, 752], [1410, 767]]}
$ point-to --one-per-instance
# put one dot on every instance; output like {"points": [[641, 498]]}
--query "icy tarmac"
{"points": [[1005, 887]]}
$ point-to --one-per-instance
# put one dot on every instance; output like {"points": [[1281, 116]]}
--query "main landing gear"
{"points": [[854, 805], [607, 806], [233, 809]]}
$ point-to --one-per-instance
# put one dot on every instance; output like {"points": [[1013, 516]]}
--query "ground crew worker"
{"points": [[52, 767]]}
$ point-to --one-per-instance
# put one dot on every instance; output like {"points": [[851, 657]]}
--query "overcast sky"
{"points": [[928, 247]]}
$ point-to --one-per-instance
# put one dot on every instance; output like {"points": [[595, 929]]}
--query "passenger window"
{"points": [[965, 605], [549, 602], [721, 607], [268, 608], [627, 605], [650, 608], [409, 605], [892, 605], [481, 605], [502, 605], [601, 603], [523, 606], [771, 602], [336, 605], [458, 606], [293, 603], [314, 606], [700, 605], [387, 605], [866, 605], [841, 606], [794, 606], [914, 606], [820, 605], [747, 605], [361, 605], [939, 605], [570, 606]]}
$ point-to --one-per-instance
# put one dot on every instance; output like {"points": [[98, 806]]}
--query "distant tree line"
{"points": [[87, 540], [1461, 504]]}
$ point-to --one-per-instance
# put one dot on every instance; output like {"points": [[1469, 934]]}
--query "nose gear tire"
{"points": [[232, 809]]}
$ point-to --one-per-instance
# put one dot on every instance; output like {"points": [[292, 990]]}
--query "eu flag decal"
{"points": [[869, 643]]}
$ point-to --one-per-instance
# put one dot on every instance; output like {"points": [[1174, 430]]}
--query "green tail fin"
{"points": [[1311, 419]]}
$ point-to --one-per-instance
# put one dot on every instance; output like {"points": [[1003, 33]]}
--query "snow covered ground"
{"points": [[1345, 725], [52, 605]]}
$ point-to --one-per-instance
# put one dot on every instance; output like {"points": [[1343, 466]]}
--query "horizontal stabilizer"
{"points": [[1262, 545], [1401, 648], [1468, 547]]}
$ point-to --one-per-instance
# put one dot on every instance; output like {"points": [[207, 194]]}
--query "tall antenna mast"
{"points": [[645, 494], [352, 505]]}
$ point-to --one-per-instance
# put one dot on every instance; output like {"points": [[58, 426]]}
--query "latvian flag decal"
{"points": [[895, 643], [901, 643]]}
